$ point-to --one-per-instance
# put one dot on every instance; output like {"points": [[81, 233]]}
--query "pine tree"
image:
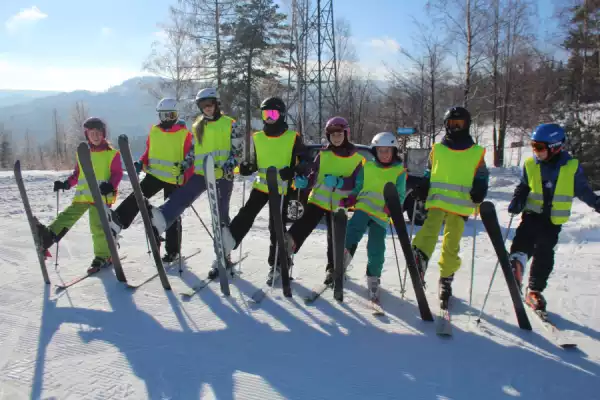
{"points": [[259, 39]]}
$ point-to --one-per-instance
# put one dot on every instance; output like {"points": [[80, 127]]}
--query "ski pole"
{"points": [[202, 222], [412, 227], [57, 211], [494, 273], [473, 256], [397, 262], [179, 233]]}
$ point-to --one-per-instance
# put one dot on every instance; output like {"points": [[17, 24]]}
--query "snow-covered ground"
{"points": [[99, 340]]}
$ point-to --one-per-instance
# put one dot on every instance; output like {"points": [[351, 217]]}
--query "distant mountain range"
{"points": [[127, 108]]}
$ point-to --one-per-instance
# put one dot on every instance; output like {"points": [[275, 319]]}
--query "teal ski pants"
{"points": [[355, 230]]}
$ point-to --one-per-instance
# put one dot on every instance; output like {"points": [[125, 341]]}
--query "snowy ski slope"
{"points": [[98, 340]]}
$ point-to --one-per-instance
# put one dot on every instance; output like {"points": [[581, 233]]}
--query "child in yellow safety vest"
{"points": [[457, 180], [333, 178], [549, 181], [109, 172], [370, 210]]}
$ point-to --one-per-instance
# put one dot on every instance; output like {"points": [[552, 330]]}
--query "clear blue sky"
{"points": [[80, 44]]}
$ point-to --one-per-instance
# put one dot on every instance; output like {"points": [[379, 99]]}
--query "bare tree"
{"points": [[6, 148]]}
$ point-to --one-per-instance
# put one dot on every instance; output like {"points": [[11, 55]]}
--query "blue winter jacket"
{"points": [[550, 171]]}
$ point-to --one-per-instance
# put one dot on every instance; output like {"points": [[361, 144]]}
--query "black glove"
{"points": [[422, 190], [106, 188], [247, 169], [519, 200], [60, 185], [286, 173]]}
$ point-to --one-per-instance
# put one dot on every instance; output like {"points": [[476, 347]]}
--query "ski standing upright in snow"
{"points": [[339, 223], [85, 159], [275, 209], [490, 221], [141, 201], [38, 246], [393, 202], [212, 194]]}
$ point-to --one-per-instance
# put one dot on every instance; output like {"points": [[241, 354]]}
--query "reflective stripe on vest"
{"points": [[272, 152], [328, 198], [101, 161], [452, 173], [216, 141], [165, 152], [376, 176], [563, 192]]}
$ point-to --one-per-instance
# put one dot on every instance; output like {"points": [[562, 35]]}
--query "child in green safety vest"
{"points": [[549, 181], [332, 178], [109, 172], [370, 210], [457, 180]]}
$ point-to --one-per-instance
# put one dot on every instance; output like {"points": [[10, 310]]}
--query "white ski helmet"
{"points": [[166, 104], [167, 110], [385, 139], [207, 93]]}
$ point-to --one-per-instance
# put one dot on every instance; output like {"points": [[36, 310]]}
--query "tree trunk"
{"points": [[495, 79], [218, 43], [248, 108], [468, 57]]}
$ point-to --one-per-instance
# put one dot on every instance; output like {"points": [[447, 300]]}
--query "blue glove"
{"points": [[138, 167], [301, 182], [334, 182]]}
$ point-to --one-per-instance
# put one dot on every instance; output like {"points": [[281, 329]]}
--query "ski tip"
{"points": [[83, 146], [123, 137], [17, 165]]}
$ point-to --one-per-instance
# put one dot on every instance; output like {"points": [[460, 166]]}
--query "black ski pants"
{"points": [[537, 236], [302, 228], [243, 221], [128, 210]]}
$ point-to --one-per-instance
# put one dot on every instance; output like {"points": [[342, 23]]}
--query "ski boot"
{"points": [[214, 271], [536, 301], [46, 237], [97, 264], [445, 291], [518, 261], [274, 273], [170, 257], [373, 283], [421, 260]]}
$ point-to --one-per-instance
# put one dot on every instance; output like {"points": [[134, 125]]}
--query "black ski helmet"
{"points": [[457, 112], [273, 103], [94, 123]]}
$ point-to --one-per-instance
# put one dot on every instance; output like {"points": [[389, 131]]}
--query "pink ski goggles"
{"points": [[273, 115]]}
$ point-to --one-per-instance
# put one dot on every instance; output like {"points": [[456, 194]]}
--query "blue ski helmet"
{"points": [[552, 135]]}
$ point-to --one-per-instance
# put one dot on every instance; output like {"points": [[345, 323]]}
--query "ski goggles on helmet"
{"points": [[334, 128], [273, 115], [167, 115], [456, 124]]}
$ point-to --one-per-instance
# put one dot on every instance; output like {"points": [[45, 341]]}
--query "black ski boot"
{"points": [[421, 260], [445, 291], [170, 257], [97, 264], [45, 236], [214, 271], [329, 276], [536, 301]]}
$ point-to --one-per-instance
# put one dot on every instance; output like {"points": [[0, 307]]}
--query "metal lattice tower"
{"points": [[313, 76]]}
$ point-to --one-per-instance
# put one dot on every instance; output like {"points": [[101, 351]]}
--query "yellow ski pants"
{"points": [[426, 239]]}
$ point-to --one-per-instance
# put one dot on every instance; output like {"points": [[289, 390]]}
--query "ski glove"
{"points": [[138, 166], [334, 182], [286, 173], [219, 172], [301, 182], [106, 188], [348, 202], [247, 169], [60, 185], [517, 204]]}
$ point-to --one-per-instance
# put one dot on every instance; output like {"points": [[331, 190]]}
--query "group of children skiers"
{"points": [[456, 181]]}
